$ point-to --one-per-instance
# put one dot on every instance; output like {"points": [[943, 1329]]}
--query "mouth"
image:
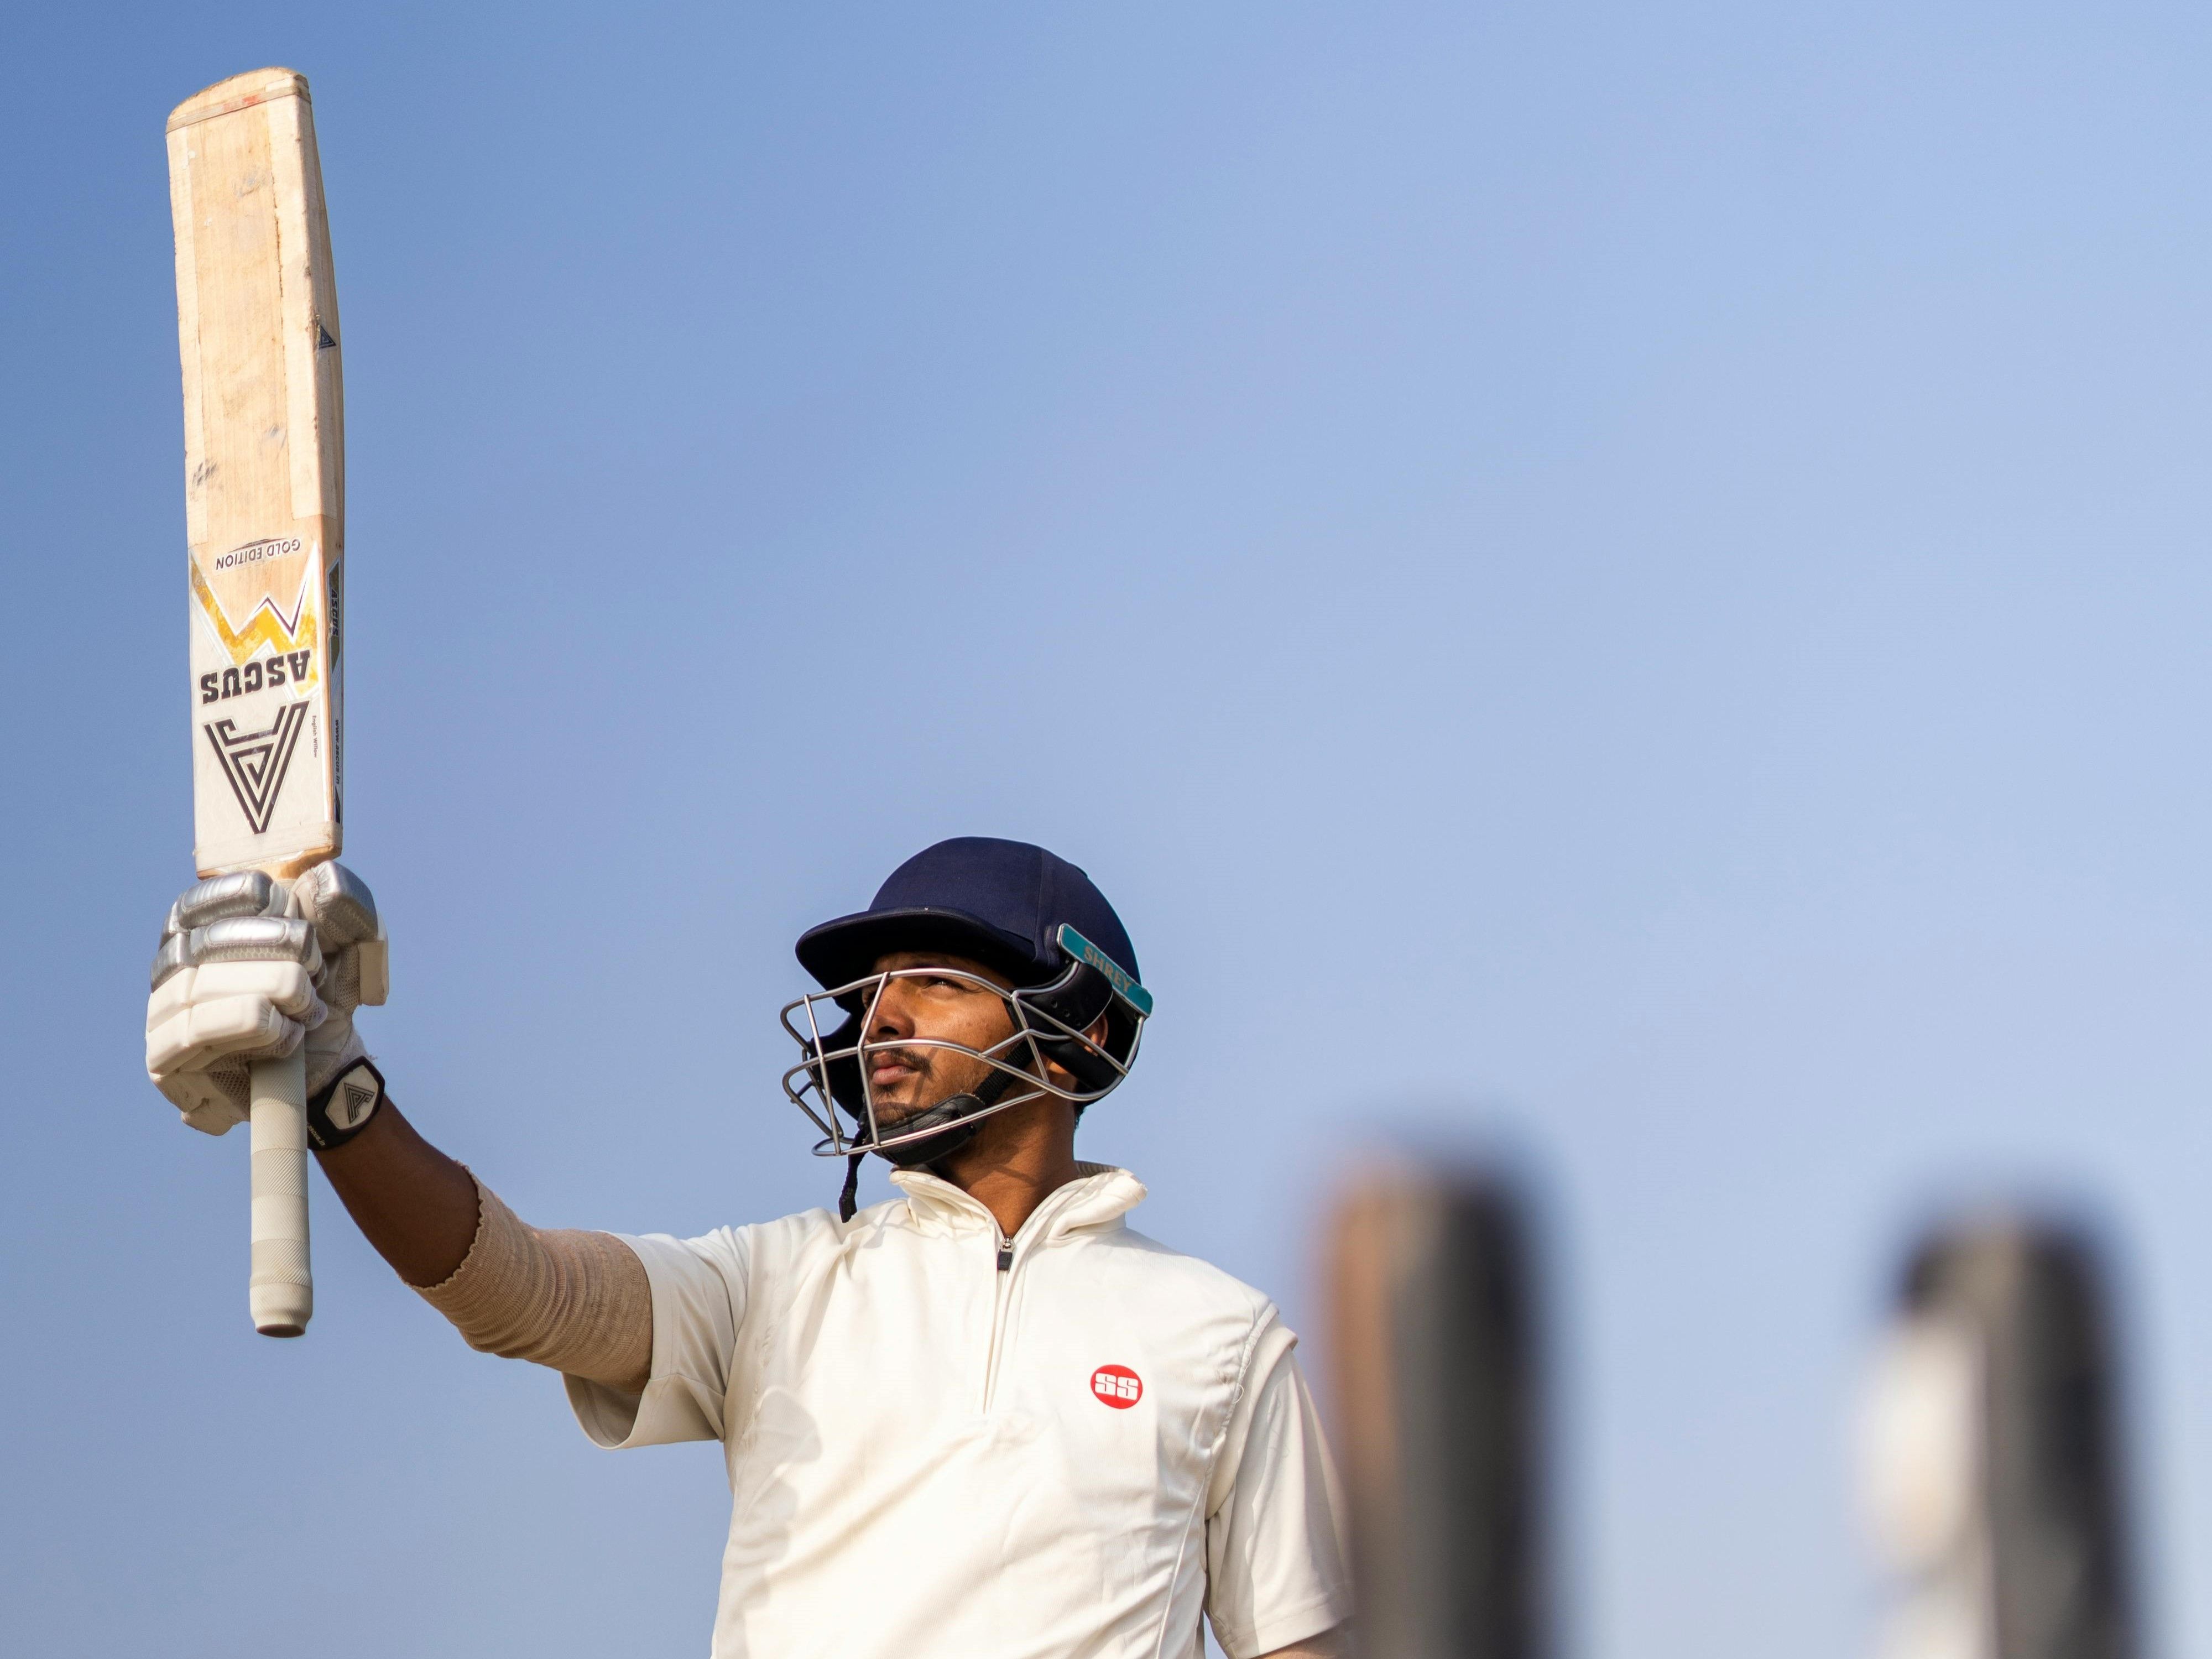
{"points": [[890, 1068]]}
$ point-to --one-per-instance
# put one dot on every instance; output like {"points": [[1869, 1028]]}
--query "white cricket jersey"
{"points": [[934, 1455]]}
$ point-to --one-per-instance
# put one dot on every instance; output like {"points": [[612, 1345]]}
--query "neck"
{"points": [[1016, 1158]]}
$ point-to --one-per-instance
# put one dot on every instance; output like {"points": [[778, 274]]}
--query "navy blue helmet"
{"points": [[1015, 909]]}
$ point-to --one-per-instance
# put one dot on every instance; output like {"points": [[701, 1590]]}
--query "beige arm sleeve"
{"points": [[578, 1302]]}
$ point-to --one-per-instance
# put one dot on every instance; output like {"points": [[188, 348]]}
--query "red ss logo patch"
{"points": [[1116, 1386]]}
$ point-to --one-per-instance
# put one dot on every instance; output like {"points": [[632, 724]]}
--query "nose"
{"points": [[893, 1016]]}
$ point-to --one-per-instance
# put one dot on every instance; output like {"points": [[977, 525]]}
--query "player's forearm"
{"points": [[578, 1302], [416, 1207]]}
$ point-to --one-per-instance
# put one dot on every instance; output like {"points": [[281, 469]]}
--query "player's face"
{"points": [[947, 1007]]}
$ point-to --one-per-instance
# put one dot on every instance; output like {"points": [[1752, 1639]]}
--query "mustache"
{"points": [[915, 1059]]}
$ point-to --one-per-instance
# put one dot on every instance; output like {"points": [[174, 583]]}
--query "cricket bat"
{"points": [[1436, 1370], [264, 514]]}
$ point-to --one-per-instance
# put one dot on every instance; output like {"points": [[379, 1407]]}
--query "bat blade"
{"points": [[265, 512], [264, 497]]}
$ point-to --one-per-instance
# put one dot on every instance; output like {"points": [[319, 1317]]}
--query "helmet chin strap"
{"points": [[961, 1126]]}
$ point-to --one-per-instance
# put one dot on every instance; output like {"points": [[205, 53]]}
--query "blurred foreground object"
{"points": [[1989, 1452], [1436, 1377]]}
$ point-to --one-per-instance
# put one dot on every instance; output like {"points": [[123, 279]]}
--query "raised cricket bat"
{"points": [[264, 514]]}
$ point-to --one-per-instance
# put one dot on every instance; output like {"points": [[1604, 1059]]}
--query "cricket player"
{"points": [[983, 1420]]}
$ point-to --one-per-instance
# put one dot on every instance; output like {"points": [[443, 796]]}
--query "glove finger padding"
{"points": [[343, 911], [249, 1010], [233, 981], [244, 893], [338, 903]]}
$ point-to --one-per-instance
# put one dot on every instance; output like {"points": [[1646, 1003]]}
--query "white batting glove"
{"points": [[356, 964], [247, 969]]}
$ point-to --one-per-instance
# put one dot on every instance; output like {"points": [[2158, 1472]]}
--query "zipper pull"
{"points": [[1005, 1255]]}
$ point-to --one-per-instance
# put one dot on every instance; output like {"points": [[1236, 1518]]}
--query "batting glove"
{"points": [[249, 968]]}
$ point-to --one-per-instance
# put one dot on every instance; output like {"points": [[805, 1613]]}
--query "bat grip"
{"points": [[282, 1290]]}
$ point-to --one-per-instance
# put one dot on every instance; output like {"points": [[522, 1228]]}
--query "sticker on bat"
{"points": [[257, 597], [260, 674], [268, 547], [255, 761]]}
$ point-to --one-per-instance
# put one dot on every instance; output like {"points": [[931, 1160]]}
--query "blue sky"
{"points": [[1623, 584]]}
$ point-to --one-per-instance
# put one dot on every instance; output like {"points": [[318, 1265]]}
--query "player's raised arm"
{"points": [[250, 968], [577, 1301]]}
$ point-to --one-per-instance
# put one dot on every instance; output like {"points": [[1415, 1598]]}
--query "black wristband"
{"points": [[342, 1107]]}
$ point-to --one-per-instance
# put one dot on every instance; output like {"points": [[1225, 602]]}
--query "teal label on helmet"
{"points": [[1124, 987]]}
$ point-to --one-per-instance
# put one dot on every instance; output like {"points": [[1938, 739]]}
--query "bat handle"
{"points": [[282, 1290]]}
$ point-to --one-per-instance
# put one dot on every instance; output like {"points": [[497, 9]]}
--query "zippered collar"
{"points": [[1096, 1200]]}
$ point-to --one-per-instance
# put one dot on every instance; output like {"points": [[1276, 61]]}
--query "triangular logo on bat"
{"points": [[256, 761]]}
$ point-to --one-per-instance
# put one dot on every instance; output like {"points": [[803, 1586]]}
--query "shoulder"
{"points": [[794, 1242], [1182, 1279], [1202, 1276], [735, 1250]]}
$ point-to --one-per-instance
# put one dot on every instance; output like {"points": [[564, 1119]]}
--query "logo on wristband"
{"points": [[351, 1104], [344, 1108]]}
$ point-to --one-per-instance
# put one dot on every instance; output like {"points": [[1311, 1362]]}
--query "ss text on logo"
{"points": [[1116, 1386]]}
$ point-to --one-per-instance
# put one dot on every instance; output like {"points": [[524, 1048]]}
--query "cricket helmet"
{"points": [[1015, 910]]}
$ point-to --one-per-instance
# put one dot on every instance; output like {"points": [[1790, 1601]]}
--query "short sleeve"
{"points": [[699, 1294], [1276, 1568]]}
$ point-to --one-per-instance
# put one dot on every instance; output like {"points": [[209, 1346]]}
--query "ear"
{"points": [[1095, 1034]]}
